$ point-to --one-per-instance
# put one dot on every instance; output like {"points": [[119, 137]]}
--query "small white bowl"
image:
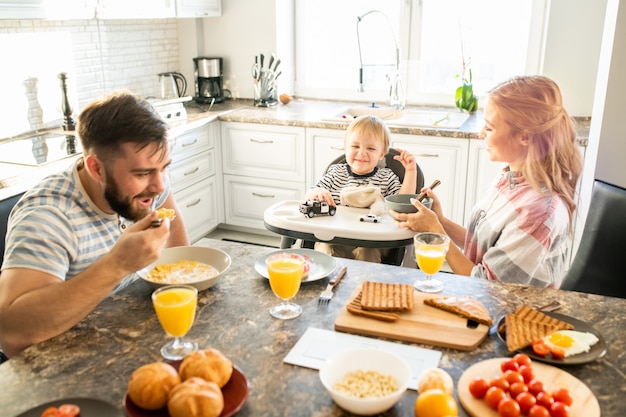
{"points": [[337, 366], [216, 258]]}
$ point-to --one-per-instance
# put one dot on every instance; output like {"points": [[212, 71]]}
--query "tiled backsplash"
{"points": [[98, 55]]}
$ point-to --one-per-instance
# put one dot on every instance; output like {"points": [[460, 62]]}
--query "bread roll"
{"points": [[149, 385], [209, 364], [195, 397]]}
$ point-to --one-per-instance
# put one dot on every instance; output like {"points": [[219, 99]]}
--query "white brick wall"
{"points": [[103, 55]]}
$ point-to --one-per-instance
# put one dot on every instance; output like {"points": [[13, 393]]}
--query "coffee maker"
{"points": [[208, 80]]}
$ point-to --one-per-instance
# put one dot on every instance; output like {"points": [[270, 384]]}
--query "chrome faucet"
{"points": [[396, 92]]}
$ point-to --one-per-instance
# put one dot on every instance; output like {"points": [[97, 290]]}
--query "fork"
{"points": [[327, 294]]}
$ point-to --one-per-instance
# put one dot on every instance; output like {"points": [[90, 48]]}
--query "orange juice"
{"points": [[430, 258], [176, 309], [285, 276]]}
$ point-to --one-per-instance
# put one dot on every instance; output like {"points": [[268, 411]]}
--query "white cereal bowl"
{"points": [[387, 363], [216, 258]]}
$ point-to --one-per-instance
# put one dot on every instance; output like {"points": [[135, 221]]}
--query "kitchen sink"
{"points": [[451, 119]]}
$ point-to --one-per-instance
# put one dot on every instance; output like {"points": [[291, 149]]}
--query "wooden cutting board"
{"points": [[585, 403], [425, 324]]}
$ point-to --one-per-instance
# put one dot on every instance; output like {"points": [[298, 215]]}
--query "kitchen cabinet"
{"points": [[323, 146], [47, 9], [262, 165], [135, 9], [198, 8], [444, 159], [196, 179]]}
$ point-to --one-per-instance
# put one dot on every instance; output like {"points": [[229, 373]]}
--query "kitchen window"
{"points": [[502, 38]]}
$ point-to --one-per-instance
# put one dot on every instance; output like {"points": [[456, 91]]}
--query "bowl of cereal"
{"points": [[365, 381], [198, 266]]}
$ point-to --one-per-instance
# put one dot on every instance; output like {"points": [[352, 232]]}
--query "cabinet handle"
{"points": [[261, 141], [337, 148], [428, 155], [193, 171], [195, 203], [264, 195], [190, 143]]}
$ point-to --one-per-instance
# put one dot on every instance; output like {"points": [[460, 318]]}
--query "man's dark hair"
{"points": [[118, 118]]}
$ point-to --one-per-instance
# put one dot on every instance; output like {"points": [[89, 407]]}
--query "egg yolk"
{"points": [[561, 340]]}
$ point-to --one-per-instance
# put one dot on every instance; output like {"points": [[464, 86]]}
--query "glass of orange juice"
{"points": [[285, 273], [430, 253], [175, 306]]}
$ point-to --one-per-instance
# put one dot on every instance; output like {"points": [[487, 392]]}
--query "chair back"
{"points": [[392, 164], [598, 266]]}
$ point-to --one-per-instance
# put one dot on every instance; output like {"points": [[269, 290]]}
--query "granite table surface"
{"points": [[96, 358]]}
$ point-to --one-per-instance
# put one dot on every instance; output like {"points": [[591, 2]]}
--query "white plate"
{"points": [[321, 264]]}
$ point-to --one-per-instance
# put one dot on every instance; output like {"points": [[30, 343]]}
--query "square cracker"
{"points": [[379, 296]]}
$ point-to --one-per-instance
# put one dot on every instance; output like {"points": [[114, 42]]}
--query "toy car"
{"points": [[372, 218], [315, 207]]}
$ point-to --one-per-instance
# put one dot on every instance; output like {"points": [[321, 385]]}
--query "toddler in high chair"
{"points": [[360, 182]]}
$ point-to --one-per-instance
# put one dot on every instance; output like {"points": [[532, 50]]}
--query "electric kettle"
{"points": [[173, 85]]}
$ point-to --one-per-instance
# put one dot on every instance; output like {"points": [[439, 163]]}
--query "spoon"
{"points": [[422, 195]]}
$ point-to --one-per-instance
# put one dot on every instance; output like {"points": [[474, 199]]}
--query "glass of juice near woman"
{"points": [[175, 306], [430, 254], [285, 272]]}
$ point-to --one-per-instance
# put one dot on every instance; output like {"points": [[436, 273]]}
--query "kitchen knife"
{"points": [[261, 61], [272, 58], [276, 65]]}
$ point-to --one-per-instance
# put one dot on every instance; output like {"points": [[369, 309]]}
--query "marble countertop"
{"points": [[96, 357], [15, 179]]}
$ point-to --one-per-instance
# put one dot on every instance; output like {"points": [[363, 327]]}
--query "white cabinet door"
{"points": [[135, 9], [198, 8], [47, 9], [481, 173], [444, 159], [262, 151], [193, 170], [247, 198], [199, 206], [323, 146]]}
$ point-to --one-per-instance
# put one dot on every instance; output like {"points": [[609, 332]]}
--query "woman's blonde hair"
{"points": [[370, 125], [533, 106]]}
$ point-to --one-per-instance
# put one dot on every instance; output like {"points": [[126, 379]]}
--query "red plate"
{"points": [[235, 394]]}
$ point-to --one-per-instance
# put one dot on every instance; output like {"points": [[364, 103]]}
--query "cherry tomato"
{"points": [[509, 365], [525, 400], [513, 376], [538, 411], [478, 387], [540, 348], [500, 382], [493, 396], [508, 407], [545, 398], [557, 352], [563, 395], [559, 409], [517, 388], [527, 372], [535, 387], [49, 412], [522, 359]]}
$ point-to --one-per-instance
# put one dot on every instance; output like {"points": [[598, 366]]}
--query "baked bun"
{"points": [[195, 397], [149, 385], [209, 364]]}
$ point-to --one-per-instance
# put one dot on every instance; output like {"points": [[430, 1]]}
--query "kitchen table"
{"points": [[95, 358]]}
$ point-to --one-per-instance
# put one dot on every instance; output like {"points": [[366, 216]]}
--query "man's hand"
{"points": [[141, 244]]}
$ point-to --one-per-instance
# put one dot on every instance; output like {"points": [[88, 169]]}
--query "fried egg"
{"points": [[571, 341]]}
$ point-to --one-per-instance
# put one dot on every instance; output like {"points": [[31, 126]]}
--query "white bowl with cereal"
{"points": [[365, 381], [198, 266]]}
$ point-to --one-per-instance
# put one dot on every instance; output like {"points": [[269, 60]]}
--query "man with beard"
{"points": [[79, 235]]}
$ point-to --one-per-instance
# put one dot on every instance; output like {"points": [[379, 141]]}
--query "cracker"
{"points": [[379, 296], [354, 307]]}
